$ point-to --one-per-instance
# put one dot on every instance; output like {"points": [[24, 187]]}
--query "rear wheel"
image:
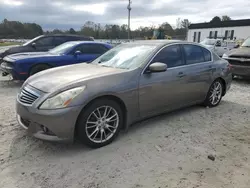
{"points": [[214, 94], [100, 123], [38, 68]]}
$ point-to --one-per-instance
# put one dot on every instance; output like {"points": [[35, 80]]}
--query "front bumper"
{"points": [[10, 70], [241, 70], [50, 125]]}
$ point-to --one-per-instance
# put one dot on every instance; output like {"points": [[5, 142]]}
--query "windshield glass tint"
{"points": [[246, 43], [63, 48], [208, 42], [125, 56]]}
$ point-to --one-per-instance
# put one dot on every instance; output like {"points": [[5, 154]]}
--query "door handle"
{"points": [[181, 74]]}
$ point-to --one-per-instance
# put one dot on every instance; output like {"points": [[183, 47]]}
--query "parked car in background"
{"points": [[23, 65], [42, 43], [219, 46], [239, 59], [128, 83]]}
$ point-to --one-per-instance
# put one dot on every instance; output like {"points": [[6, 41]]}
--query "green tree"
{"points": [[216, 19], [72, 31], [225, 18]]}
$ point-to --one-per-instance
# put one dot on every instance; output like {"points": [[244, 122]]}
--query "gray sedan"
{"points": [[132, 81]]}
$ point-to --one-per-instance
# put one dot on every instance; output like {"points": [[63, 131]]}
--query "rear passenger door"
{"points": [[199, 69]]}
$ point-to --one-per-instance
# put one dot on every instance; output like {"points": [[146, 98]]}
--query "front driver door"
{"points": [[220, 48], [162, 91]]}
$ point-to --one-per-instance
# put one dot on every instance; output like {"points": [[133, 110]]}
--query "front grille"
{"points": [[27, 96], [240, 63]]}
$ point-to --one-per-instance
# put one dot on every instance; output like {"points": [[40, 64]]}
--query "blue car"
{"points": [[23, 65]]}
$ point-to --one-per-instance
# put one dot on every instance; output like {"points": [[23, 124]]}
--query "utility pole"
{"points": [[129, 9]]}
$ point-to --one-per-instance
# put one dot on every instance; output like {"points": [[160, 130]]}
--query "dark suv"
{"points": [[42, 43]]}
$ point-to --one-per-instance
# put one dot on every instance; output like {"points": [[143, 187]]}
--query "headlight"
{"points": [[225, 56], [61, 100]]}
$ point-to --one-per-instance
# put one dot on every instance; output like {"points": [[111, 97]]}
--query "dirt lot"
{"points": [[167, 151]]}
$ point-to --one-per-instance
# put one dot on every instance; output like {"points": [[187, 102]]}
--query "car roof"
{"points": [[64, 35], [87, 42], [159, 43]]}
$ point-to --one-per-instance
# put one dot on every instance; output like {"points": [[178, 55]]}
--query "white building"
{"points": [[230, 30]]}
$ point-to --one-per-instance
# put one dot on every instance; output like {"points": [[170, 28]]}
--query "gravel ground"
{"points": [[166, 151]]}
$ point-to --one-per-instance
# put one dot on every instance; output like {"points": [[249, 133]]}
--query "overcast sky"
{"points": [[64, 14]]}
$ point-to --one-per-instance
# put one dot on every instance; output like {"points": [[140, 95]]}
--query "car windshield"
{"points": [[246, 43], [210, 42], [63, 48], [31, 41], [125, 56]]}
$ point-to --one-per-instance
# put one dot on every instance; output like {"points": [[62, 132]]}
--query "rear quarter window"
{"points": [[60, 40], [193, 54], [207, 54]]}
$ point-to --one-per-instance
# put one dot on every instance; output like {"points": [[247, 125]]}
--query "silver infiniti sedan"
{"points": [[132, 81]]}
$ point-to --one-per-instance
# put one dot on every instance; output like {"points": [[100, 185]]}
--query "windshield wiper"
{"points": [[104, 65]]}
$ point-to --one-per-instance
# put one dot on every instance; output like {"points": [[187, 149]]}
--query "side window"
{"points": [[99, 49], [45, 41], [193, 54], [170, 55], [59, 40], [207, 54], [91, 49]]}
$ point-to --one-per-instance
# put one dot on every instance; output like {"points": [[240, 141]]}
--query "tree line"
{"points": [[114, 31], [16, 29]]}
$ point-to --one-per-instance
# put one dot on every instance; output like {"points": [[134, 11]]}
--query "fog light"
{"points": [[47, 131]]}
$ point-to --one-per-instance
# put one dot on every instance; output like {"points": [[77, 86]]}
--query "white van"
{"points": [[219, 46]]}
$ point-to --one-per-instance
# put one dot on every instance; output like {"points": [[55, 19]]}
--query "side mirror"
{"points": [[157, 67], [77, 53], [33, 45]]}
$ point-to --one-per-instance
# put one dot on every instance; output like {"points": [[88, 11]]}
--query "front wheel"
{"points": [[38, 68], [214, 94], [100, 123]]}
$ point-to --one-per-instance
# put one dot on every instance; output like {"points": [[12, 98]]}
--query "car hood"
{"points": [[31, 55], [239, 52], [211, 47], [67, 76]]}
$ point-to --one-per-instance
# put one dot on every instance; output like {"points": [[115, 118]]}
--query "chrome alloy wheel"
{"points": [[215, 93], [102, 124]]}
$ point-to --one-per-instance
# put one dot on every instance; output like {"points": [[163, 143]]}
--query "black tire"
{"points": [[38, 68], [81, 127], [208, 101]]}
